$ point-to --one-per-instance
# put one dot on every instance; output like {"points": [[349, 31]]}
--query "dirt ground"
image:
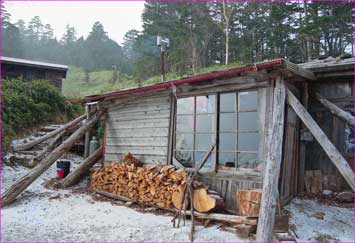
{"points": [[46, 215]]}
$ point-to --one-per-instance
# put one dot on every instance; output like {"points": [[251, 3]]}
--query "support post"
{"points": [[302, 152], [334, 155], [273, 163], [87, 134], [10, 195], [335, 110]]}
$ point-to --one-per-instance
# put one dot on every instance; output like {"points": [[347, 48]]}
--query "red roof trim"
{"points": [[194, 79]]}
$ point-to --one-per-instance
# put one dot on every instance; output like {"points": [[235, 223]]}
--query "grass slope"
{"points": [[75, 86]]}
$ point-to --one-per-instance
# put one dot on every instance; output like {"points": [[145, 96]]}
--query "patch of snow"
{"points": [[337, 223]]}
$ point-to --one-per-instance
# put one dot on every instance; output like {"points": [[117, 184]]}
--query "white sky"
{"points": [[116, 17]]}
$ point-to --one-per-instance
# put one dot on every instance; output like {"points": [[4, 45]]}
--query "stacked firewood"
{"points": [[149, 184]]}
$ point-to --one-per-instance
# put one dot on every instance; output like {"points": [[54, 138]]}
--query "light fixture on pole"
{"points": [[164, 44]]}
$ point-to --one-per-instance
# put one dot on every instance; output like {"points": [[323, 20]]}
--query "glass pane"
{"points": [[228, 122], [246, 160], [185, 105], [248, 100], [227, 159], [185, 123], [227, 141], [205, 104], [199, 156], [248, 141], [205, 123], [204, 141], [247, 121], [227, 102], [184, 141], [185, 158]]}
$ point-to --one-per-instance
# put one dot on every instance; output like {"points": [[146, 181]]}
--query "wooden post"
{"points": [[302, 152], [332, 152], [272, 171], [10, 195], [335, 110], [87, 134], [82, 169], [49, 135]]}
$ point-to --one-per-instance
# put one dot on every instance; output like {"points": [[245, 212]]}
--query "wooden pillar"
{"points": [[273, 163], [334, 155], [302, 152], [87, 134]]}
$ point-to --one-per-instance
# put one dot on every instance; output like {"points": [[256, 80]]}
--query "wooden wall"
{"points": [[140, 126], [342, 94]]}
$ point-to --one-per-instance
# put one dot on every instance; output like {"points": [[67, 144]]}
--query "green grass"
{"points": [[75, 86]]}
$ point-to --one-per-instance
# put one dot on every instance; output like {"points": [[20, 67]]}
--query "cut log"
{"points": [[249, 202], [10, 195], [49, 135], [75, 176], [207, 201], [335, 110], [273, 164], [334, 155], [176, 197]]}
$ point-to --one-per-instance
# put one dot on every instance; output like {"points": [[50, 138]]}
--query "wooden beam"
{"points": [[336, 110], [273, 164], [340, 163], [9, 196], [49, 135], [75, 176]]}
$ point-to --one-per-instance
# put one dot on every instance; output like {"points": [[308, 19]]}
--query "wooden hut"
{"points": [[176, 122], [29, 70]]}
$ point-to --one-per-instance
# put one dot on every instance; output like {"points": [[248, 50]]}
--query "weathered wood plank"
{"points": [[156, 159], [156, 141], [336, 110], [273, 164], [138, 132], [140, 124], [332, 152], [143, 150]]}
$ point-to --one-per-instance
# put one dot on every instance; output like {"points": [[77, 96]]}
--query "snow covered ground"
{"points": [[41, 214]]}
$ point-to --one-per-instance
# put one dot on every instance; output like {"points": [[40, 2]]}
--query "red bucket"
{"points": [[60, 173]]}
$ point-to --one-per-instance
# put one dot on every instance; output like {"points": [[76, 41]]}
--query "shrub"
{"points": [[25, 105]]}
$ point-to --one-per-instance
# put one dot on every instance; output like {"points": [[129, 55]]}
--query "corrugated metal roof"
{"points": [[24, 62]]}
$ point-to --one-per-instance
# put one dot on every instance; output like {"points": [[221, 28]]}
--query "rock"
{"points": [[346, 196], [327, 193], [319, 215]]}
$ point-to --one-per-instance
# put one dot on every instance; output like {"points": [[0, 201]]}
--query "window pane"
{"points": [[185, 158], [227, 102], [247, 100], [247, 121], [204, 141], [227, 159], [205, 123], [248, 141], [185, 123], [184, 141], [227, 141], [228, 122], [205, 104], [199, 156], [246, 160], [185, 105]]}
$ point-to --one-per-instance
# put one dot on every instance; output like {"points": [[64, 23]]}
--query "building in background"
{"points": [[29, 70]]}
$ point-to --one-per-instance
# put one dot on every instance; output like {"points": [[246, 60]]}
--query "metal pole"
{"points": [[162, 71]]}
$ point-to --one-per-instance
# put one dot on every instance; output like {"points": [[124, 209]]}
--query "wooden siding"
{"points": [[139, 126]]}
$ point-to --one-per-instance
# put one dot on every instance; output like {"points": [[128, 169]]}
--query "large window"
{"points": [[236, 129]]}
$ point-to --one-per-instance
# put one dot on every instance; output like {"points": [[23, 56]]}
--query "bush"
{"points": [[25, 105]]}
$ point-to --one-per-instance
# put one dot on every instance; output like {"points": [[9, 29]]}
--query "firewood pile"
{"points": [[148, 184]]}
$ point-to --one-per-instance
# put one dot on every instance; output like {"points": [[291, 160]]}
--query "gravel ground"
{"points": [[46, 215]]}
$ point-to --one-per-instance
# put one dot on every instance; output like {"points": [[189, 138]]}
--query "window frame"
{"points": [[216, 168]]}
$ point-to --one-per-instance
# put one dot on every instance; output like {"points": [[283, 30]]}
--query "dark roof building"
{"points": [[29, 70]]}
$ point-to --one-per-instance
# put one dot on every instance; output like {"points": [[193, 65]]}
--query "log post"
{"points": [[82, 169], [10, 195], [87, 134], [272, 171], [335, 110], [48, 135], [334, 155]]}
